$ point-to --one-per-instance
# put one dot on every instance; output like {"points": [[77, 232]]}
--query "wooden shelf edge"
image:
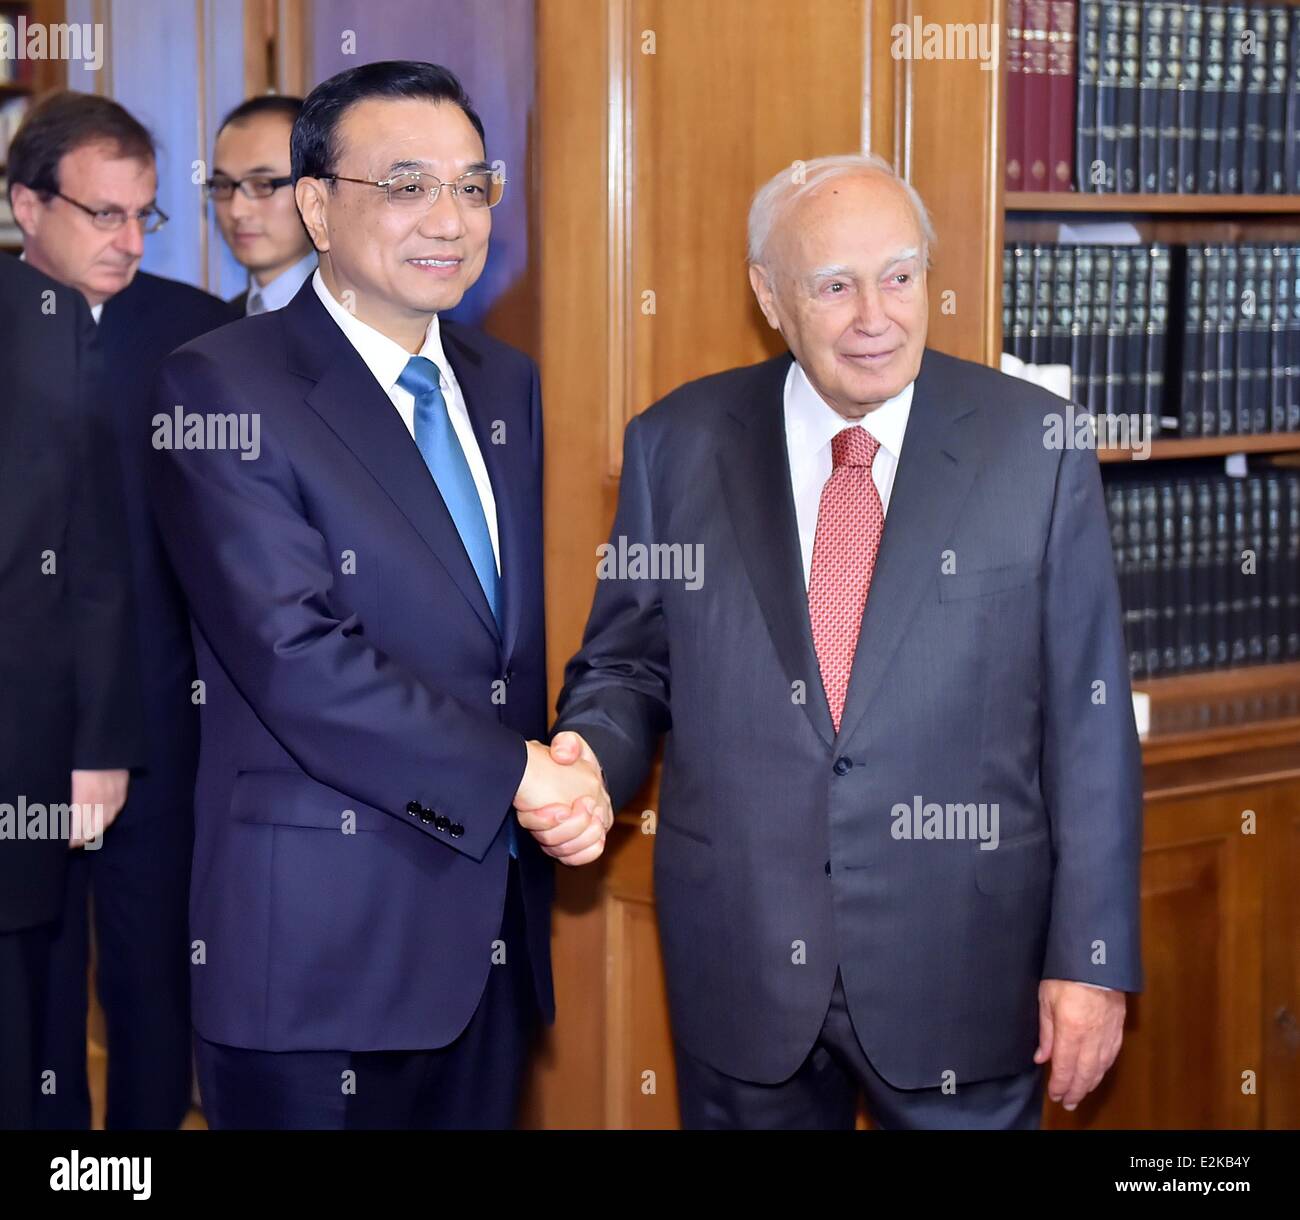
{"points": [[1209, 446], [1224, 205]]}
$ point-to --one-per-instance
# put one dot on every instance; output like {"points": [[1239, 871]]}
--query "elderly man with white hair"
{"points": [[898, 850]]}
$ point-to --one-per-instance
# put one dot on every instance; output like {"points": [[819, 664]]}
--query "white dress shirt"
{"points": [[810, 424], [387, 360], [262, 298]]}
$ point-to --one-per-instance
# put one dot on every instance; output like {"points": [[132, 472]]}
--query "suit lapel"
{"points": [[349, 399], [485, 401], [935, 473], [755, 469]]}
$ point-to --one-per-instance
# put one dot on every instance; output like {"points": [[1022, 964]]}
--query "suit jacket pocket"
{"points": [[290, 798], [1015, 864], [959, 584], [681, 854]]}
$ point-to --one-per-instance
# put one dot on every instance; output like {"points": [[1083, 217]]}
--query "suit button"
{"points": [[828, 868], [413, 808], [441, 822], [510, 673], [426, 816], [457, 830], [843, 766]]}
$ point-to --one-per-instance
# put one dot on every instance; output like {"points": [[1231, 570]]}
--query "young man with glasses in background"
{"points": [[252, 200], [83, 182]]}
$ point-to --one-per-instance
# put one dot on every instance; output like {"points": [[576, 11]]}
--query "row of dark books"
{"points": [[1209, 570], [1239, 348], [1229, 363], [1177, 97], [1103, 310]]}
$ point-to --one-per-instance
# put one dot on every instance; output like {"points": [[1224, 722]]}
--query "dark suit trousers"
{"points": [[24, 963], [137, 885], [472, 1083], [823, 1094]]}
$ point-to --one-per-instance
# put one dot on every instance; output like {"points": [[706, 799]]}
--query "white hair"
{"points": [[797, 180]]}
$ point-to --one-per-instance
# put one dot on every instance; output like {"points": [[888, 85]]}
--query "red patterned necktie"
{"points": [[850, 519]]}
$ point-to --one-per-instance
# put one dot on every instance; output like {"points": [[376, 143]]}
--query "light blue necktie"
{"points": [[440, 447]]}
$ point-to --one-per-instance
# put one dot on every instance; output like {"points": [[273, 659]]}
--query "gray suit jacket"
{"points": [[990, 670]]}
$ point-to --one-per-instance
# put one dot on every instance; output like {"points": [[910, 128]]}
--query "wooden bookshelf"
{"points": [[1209, 446], [1217, 205]]}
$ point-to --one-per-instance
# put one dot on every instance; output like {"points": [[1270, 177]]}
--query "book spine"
{"points": [[1158, 321], [1015, 175], [1085, 99], [1101, 295], [1279, 74], [1213, 29], [1184, 570], [1238, 626], [1169, 98], [1229, 315], [1293, 109], [1023, 298], [1221, 577], [1252, 116], [1127, 157], [1234, 84], [1033, 63], [1167, 579], [1061, 56], [1261, 396], [1271, 561], [1062, 305], [1255, 580], [1040, 333], [1277, 338], [1150, 567], [1135, 605], [1117, 330], [1008, 295], [1210, 374], [1203, 575], [1193, 365], [1189, 97], [1081, 325], [1152, 70], [1247, 359], [1139, 316]]}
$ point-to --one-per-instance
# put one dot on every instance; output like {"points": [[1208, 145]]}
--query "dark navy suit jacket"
{"points": [[148, 319], [990, 668], [363, 734]]}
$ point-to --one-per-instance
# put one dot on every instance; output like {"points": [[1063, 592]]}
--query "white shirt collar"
{"points": [[385, 358], [281, 290], [817, 421]]}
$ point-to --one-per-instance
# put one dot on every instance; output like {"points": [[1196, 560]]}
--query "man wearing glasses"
{"points": [[368, 612], [252, 200], [83, 181]]}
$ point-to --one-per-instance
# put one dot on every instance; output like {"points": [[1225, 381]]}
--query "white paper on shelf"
{"points": [[1142, 712], [1053, 377]]}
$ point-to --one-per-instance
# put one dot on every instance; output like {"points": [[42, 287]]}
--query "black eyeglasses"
{"points": [[151, 218], [256, 186]]}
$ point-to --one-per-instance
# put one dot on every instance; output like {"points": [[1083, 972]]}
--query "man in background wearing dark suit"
{"points": [[83, 182], [900, 832], [68, 712], [251, 191]]}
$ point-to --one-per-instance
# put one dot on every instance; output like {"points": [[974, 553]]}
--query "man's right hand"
{"points": [[562, 801]]}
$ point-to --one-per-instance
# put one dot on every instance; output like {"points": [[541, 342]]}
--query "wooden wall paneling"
{"points": [[953, 154], [1198, 1024], [1280, 1074]]}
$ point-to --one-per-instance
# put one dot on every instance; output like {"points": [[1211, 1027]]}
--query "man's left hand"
{"points": [[1080, 1029]]}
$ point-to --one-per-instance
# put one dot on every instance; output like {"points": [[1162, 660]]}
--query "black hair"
{"points": [[271, 103], [314, 142], [63, 122]]}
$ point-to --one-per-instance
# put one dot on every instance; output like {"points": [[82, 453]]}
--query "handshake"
{"points": [[562, 800]]}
